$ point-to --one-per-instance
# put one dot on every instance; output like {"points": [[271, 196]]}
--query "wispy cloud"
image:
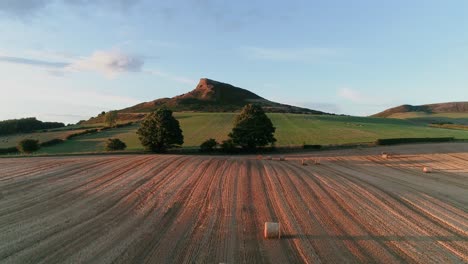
{"points": [[288, 54], [109, 63], [32, 62]]}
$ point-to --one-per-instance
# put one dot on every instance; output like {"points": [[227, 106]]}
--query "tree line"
{"points": [[26, 125]]}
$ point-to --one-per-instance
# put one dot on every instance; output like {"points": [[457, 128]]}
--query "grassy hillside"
{"points": [[11, 140], [451, 107], [292, 130], [427, 118]]}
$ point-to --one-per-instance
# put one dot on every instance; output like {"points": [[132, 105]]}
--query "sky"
{"points": [[68, 60]]}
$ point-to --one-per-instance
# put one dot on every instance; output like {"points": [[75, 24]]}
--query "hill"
{"points": [[452, 107], [214, 96]]}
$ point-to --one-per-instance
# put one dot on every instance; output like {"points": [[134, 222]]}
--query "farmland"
{"points": [[354, 207], [291, 130]]}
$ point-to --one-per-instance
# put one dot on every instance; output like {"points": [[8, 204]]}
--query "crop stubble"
{"points": [[163, 208]]}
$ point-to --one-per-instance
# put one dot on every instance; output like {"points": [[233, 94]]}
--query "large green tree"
{"points": [[160, 131], [252, 128]]}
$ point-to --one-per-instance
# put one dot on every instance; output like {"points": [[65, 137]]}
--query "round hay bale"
{"points": [[304, 162], [317, 161], [427, 170], [272, 230], [385, 156]]}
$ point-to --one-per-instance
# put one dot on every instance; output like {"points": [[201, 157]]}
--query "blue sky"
{"points": [[66, 60]]}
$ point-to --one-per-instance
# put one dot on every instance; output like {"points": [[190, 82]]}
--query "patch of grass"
{"points": [[12, 140], [291, 130]]}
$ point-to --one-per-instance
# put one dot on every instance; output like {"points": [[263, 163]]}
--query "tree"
{"points": [[115, 144], [28, 145], [111, 118], [252, 128], [208, 145], [160, 131]]}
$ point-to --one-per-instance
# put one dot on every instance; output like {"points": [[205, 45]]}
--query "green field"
{"points": [[292, 130]]}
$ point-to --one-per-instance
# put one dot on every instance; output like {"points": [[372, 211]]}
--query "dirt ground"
{"points": [[355, 207]]}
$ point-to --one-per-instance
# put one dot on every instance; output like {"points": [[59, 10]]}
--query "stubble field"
{"points": [[353, 207]]}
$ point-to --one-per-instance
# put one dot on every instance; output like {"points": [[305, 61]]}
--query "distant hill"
{"points": [[453, 107], [214, 96]]}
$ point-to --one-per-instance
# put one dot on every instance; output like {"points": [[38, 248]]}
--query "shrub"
{"points": [[228, 146], [393, 141], [52, 142], [305, 146], [88, 131], [28, 145], [115, 144], [208, 145], [8, 150]]}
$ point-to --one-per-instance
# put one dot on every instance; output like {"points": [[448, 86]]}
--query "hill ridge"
{"points": [[215, 96], [449, 107]]}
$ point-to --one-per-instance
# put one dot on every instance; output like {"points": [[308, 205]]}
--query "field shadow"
{"points": [[377, 238]]}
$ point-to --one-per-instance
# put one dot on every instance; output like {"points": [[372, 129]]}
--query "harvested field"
{"points": [[355, 207]]}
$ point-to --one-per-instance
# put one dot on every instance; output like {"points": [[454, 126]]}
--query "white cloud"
{"points": [[288, 54], [109, 63]]}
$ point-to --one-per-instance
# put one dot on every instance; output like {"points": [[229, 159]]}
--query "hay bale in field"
{"points": [[317, 161], [282, 158], [304, 162], [427, 169], [268, 158], [272, 230], [386, 156]]}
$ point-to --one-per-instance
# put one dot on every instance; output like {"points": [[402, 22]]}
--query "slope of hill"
{"points": [[214, 96], [452, 107]]}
